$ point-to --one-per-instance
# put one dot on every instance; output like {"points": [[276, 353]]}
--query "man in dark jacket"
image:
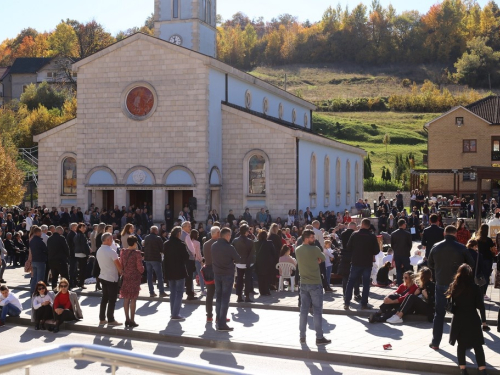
{"points": [[58, 254], [224, 255], [175, 260], [345, 261], [72, 260], [432, 235], [364, 246], [208, 271], [444, 259], [244, 247], [401, 243], [153, 248], [38, 258], [169, 218]]}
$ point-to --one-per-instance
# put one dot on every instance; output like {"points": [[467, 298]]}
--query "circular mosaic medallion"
{"points": [[140, 101]]}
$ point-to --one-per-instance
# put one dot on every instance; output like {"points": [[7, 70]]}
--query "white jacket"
{"points": [[38, 300], [12, 299]]}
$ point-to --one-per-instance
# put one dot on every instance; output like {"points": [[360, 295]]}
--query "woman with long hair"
{"points": [[131, 261], [66, 306], [467, 298], [487, 249], [463, 234], [421, 302], [265, 263], [127, 231]]}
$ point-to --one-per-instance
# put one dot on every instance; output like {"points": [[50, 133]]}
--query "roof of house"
{"points": [[487, 108], [3, 71], [29, 65]]}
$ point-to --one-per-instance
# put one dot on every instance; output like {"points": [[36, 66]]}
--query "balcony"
{"points": [[495, 155]]}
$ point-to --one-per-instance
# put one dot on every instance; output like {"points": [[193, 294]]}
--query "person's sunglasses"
{"points": [[63, 285], [41, 288]]}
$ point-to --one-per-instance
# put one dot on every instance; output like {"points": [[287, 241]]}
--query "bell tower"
{"points": [[187, 23]]}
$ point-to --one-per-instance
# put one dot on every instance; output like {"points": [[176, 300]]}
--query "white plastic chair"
{"points": [[286, 269]]}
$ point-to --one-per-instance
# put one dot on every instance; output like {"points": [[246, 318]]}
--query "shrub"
{"points": [[377, 184]]}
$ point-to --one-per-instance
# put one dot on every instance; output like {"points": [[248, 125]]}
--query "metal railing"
{"points": [[110, 356], [30, 155]]}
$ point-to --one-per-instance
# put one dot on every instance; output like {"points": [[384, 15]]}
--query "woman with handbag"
{"points": [[131, 261], [467, 297], [487, 249]]}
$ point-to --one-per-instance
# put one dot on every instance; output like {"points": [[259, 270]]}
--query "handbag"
{"points": [[479, 280], [450, 305], [27, 265]]}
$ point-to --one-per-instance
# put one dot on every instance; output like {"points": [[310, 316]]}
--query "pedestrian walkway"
{"points": [[288, 301], [274, 332]]}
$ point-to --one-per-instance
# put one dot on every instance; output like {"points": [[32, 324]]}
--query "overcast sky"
{"points": [[117, 15]]}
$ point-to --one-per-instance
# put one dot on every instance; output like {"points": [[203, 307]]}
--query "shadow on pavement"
{"points": [[246, 316], [380, 330], [218, 358]]}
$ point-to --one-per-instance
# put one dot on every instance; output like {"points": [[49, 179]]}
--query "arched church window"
{"points": [[348, 182], [327, 181], [265, 106], [175, 9], [69, 176], [280, 111], [337, 180], [248, 99], [312, 189], [294, 116], [209, 12], [306, 120], [257, 175]]}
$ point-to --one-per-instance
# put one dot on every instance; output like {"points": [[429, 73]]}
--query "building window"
{"points": [[265, 106], [337, 180], [175, 9], [356, 177], [294, 116], [50, 75], [469, 176], [495, 148], [248, 99], [306, 120], [208, 16], [326, 175], [348, 183], [25, 87], [312, 180], [69, 176], [280, 111], [257, 175], [459, 121], [469, 145]]}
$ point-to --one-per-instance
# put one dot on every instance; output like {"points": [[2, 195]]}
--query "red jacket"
{"points": [[402, 288]]}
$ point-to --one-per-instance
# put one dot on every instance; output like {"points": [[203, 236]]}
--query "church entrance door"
{"points": [[178, 199], [138, 197]]}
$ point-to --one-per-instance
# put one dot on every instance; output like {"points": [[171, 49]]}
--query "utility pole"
{"points": [[285, 83]]}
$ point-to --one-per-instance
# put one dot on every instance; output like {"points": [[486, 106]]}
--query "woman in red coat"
{"points": [[131, 261]]}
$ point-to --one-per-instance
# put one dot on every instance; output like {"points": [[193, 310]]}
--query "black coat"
{"points": [[38, 250], [466, 323], [265, 263], [81, 244], [69, 239], [401, 243], [176, 259], [277, 243], [431, 236], [345, 262], [58, 248], [364, 246]]}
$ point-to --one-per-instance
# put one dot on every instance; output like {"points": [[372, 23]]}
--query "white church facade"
{"points": [[160, 120]]}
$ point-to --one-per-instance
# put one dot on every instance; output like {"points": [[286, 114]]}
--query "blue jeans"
{"points": [[10, 310], [311, 293], [402, 265], [156, 267], [176, 292], [38, 275], [223, 289], [328, 275], [198, 272], [356, 273], [440, 312]]}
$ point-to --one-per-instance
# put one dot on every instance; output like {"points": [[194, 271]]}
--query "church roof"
{"points": [[216, 64], [487, 108]]}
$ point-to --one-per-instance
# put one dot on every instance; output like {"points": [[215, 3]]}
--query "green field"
{"points": [[367, 130]]}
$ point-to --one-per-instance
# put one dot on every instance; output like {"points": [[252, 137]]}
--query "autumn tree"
{"points": [[91, 37], [63, 41], [11, 180], [479, 65]]}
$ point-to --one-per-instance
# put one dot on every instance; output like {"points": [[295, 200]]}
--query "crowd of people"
{"points": [[120, 249]]}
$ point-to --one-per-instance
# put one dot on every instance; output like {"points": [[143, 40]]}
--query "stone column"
{"points": [[158, 205], [121, 197]]}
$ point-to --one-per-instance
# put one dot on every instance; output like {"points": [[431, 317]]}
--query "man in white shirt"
{"points": [[318, 234], [44, 228], [111, 270], [29, 220], [10, 304]]}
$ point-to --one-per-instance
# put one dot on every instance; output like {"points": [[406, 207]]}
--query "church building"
{"points": [[161, 120]]}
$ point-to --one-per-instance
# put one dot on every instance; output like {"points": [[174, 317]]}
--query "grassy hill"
{"points": [[367, 130], [363, 129]]}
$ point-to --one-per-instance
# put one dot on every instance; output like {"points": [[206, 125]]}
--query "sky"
{"points": [[116, 15]]}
